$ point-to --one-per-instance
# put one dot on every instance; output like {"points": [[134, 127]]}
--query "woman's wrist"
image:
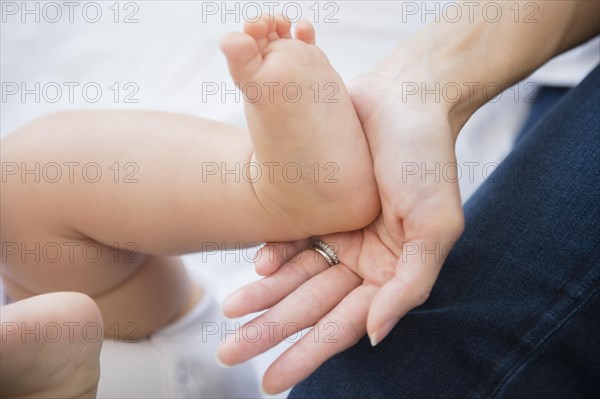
{"points": [[416, 76], [465, 64]]}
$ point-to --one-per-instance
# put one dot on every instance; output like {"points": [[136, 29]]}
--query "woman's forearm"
{"points": [[481, 53]]}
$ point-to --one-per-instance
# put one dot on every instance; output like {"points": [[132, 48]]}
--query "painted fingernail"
{"points": [[380, 334]]}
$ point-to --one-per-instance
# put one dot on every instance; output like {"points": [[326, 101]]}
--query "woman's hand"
{"points": [[412, 144], [389, 267], [305, 292], [386, 269]]}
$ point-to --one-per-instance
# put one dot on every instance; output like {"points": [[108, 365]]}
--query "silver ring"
{"points": [[326, 252]]}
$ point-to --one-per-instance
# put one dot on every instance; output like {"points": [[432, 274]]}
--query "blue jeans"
{"points": [[515, 312]]}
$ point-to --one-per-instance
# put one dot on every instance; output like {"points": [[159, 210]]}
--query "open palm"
{"points": [[306, 292]]}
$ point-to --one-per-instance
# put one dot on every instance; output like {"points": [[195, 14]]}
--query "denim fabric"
{"points": [[515, 312], [542, 103]]}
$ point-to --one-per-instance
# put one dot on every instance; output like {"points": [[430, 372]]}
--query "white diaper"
{"points": [[178, 361]]}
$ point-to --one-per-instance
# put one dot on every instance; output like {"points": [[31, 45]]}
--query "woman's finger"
{"points": [[268, 291], [337, 331], [415, 275], [299, 310], [274, 254]]}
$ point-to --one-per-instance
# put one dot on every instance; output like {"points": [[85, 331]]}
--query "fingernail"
{"points": [[220, 362], [381, 333], [260, 261], [263, 391], [373, 338], [231, 296], [257, 257], [229, 304]]}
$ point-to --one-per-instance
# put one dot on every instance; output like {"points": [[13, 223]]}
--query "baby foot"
{"points": [[304, 128]]}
